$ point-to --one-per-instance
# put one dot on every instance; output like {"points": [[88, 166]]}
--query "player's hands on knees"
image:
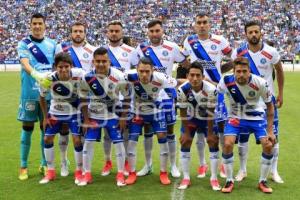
{"points": [[272, 138], [212, 139], [185, 139]]}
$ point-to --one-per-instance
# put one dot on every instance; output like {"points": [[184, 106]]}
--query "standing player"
{"points": [[82, 54], [209, 49], [36, 53], [121, 56], [248, 95], [103, 86], [163, 55], [63, 110], [196, 100], [262, 58], [148, 97]]}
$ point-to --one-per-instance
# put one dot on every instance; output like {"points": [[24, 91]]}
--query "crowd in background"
{"points": [[280, 20]]}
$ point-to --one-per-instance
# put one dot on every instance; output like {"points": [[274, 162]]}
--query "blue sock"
{"points": [[43, 159], [25, 147]]}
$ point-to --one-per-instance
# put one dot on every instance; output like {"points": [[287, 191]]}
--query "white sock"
{"points": [[214, 160], [49, 155], [172, 149], [87, 155], [63, 146], [266, 161], [243, 155], [200, 143], [274, 169], [164, 151], [120, 156], [107, 146], [131, 154], [78, 157], [148, 145], [228, 164], [185, 159]]}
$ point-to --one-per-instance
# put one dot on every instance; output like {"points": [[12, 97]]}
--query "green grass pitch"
{"points": [[146, 187]]}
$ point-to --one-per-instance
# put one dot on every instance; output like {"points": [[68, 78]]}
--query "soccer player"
{"points": [[63, 110], [103, 86], [163, 55], [197, 101], [210, 49], [82, 54], [262, 58], [248, 94], [36, 53], [120, 55], [148, 86]]}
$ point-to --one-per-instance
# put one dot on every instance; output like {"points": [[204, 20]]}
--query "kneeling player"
{"points": [[246, 92], [196, 100], [102, 87], [63, 110], [149, 92]]}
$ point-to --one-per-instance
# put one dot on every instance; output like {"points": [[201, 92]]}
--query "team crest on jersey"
{"points": [[165, 53], [85, 55], [147, 53], [213, 47], [111, 86], [124, 54], [263, 61], [154, 89], [251, 93]]}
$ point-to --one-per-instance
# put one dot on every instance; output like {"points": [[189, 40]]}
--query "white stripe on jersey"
{"points": [[206, 98], [61, 104], [264, 61], [256, 93], [168, 53], [113, 85], [84, 54], [124, 54], [216, 47], [153, 89]]}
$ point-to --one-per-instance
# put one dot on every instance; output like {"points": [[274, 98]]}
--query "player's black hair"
{"points": [[78, 24], [115, 22], [127, 40], [100, 51], [145, 61], [62, 57], [154, 22], [252, 23], [240, 61], [38, 15], [196, 65], [203, 14]]}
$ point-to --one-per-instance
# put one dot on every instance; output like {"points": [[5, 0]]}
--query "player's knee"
{"points": [[268, 147], [228, 145], [170, 129], [212, 141], [28, 128], [77, 141], [48, 139], [186, 145]]}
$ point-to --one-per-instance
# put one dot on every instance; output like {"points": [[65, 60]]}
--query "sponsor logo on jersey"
{"points": [[124, 54], [111, 86]]}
